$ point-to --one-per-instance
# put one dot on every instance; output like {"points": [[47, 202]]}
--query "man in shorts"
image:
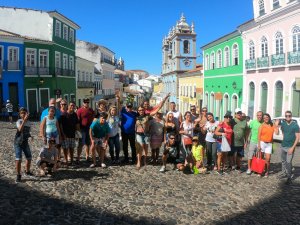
{"points": [[254, 126]]}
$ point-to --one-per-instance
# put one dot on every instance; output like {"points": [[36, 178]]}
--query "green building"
{"points": [[223, 74]]}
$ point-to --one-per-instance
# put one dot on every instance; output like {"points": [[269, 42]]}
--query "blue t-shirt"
{"points": [[45, 113], [289, 133], [128, 121], [99, 130]]}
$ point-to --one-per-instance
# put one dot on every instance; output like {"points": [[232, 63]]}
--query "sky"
{"points": [[134, 29]]}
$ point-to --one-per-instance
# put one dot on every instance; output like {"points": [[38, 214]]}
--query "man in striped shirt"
{"points": [[9, 109]]}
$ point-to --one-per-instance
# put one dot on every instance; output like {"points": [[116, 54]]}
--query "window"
{"points": [[186, 47], [261, 6], [91, 77], [13, 54], [235, 53], [1, 54], [44, 56], [296, 39], [279, 43], [30, 57], [226, 63], [57, 28], [264, 47], [71, 63], [78, 75], [191, 91], [219, 56], [82, 76], [276, 4], [65, 32], [251, 50], [71, 36], [206, 62], [65, 61], [57, 60], [212, 61]]}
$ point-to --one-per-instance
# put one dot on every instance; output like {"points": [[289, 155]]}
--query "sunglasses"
{"points": [[86, 102], [63, 104], [171, 138], [195, 140], [204, 111], [287, 116], [193, 109]]}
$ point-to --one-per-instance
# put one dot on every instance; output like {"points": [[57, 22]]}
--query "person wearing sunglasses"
{"points": [[194, 113], [63, 106], [291, 136], [169, 153]]}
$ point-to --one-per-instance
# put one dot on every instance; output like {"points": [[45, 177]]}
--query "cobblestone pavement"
{"points": [[124, 195]]}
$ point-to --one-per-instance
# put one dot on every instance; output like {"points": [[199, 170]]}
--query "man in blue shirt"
{"points": [[128, 119]]}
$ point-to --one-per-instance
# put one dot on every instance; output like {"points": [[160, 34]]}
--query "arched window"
{"points": [[279, 43], [264, 97], [278, 98], [219, 57], [234, 102], [264, 47], [212, 60], [261, 6], [212, 102], [295, 101], [226, 53], [206, 62], [251, 99], [235, 54], [251, 50], [226, 103], [296, 39], [186, 47]]}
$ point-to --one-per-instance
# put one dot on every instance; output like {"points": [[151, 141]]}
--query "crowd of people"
{"points": [[191, 142]]}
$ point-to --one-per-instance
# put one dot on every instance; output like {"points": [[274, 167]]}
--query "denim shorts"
{"points": [[141, 139], [219, 147], [22, 148], [237, 149], [85, 140]]}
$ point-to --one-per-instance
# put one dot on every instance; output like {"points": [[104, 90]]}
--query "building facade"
{"points": [[272, 57], [11, 69], [191, 89], [223, 74], [178, 56]]}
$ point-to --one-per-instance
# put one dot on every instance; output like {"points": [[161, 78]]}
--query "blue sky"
{"points": [[134, 29]]}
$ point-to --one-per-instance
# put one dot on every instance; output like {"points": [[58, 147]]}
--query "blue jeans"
{"points": [[114, 145], [24, 147]]}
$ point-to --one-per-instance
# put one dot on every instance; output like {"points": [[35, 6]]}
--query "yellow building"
{"points": [[190, 91], [157, 94]]}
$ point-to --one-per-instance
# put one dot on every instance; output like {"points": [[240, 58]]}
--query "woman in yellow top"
{"points": [[265, 139], [197, 153]]}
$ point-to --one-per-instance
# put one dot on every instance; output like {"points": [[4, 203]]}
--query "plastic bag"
{"points": [[225, 147]]}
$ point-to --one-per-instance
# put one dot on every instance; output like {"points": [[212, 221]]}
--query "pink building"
{"points": [[272, 58]]}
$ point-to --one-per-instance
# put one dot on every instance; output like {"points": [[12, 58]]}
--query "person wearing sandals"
{"points": [[114, 138], [224, 129], [265, 139], [48, 158], [99, 134], [21, 143], [170, 152], [69, 124], [211, 143]]}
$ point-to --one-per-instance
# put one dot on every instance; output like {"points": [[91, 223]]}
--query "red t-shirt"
{"points": [[228, 131], [85, 117]]}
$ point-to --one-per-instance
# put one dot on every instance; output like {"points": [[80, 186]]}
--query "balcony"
{"points": [[85, 84], [58, 71], [44, 71], [250, 64], [294, 57], [65, 72], [103, 60], [263, 62], [13, 65], [278, 59], [29, 70]]}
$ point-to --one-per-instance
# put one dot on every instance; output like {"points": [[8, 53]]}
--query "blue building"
{"points": [[178, 56], [11, 69]]}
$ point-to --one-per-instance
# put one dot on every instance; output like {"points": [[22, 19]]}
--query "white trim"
{"points": [[232, 75], [35, 57], [32, 89], [222, 64], [71, 29], [67, 33], [49, 75], [224, 58], [46, 50], [291, 94], [228, 99], [232, 55], [39, 103], [59, 35], [237, 101], [70, 49], [18, 52], [63, 63], [274, 94], [58, 53], [65, 77], [260, 92], [31, 76]]}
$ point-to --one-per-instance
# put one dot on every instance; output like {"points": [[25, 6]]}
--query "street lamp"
{"points": [[234, 85]]}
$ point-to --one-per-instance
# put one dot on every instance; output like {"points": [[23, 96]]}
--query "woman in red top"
{"points": [[265, 139], [224, 129]]}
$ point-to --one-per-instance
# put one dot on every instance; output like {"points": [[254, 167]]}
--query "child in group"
{"points": [[99, 134], [198, 156], [48, 158], [21, 143], [49, 127]]}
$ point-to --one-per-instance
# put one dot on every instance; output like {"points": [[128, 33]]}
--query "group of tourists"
{"points": [[193, 143]]}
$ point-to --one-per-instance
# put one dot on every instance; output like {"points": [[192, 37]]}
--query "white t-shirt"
{"points": [[211, 127]]}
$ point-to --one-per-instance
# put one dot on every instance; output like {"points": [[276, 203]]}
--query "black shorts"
{"points": [[10, 114]]}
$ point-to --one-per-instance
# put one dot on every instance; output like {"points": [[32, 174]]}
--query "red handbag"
{"points": [[258, 164], [187, 141]]}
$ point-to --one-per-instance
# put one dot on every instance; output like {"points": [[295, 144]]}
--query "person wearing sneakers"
{"points": [[9, 109], [99, 135], [170, 152], [265, 139], [21, 143], [254, 126], [291, 136]]}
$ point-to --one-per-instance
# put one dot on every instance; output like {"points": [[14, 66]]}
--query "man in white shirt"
{"points": [[9, 109]]}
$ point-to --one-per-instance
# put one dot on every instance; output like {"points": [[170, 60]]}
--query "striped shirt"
{"points": [[9, 107]]}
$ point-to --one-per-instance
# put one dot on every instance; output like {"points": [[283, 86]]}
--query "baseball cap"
{"points": [[238, 110], [195, 138]]}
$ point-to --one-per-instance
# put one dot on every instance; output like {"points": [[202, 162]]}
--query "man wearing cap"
{"points": [[9, 109], [240, 137], [52, 102], [85, 116]]}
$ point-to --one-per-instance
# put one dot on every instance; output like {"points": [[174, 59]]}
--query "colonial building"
{"points": [[223, 74], [272, 57], [11, 69], [178, 56], [49, 53], [191, 89], [85, 79]]}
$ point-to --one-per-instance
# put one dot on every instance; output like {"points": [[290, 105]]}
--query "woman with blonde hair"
{"points": [[113, 121]]}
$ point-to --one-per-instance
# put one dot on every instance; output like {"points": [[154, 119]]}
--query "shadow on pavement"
{"points": [[20, 205]]}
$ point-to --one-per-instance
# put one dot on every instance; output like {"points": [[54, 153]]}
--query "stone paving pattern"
{"points": [[124, 195]]}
